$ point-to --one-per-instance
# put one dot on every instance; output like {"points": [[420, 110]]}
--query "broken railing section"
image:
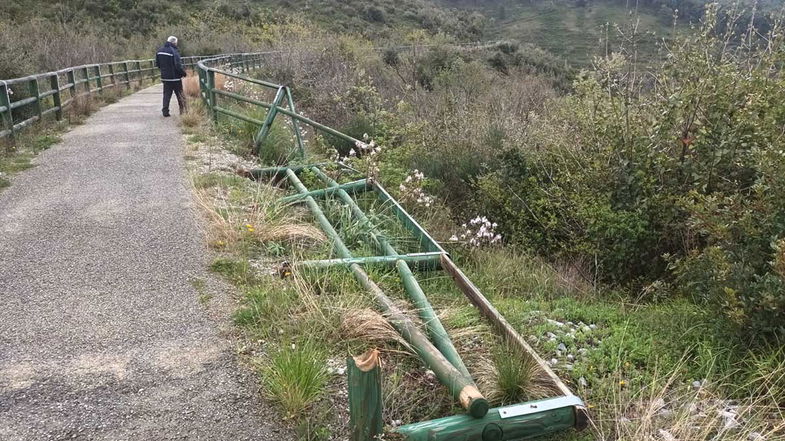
{"points": [[511, 422], [461, 386], [436, 349]]}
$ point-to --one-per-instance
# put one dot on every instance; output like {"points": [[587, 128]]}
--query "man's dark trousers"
{"points": [[177, 88]]}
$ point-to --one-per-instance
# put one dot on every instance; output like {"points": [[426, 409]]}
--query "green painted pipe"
{"points": [[316, 125], [491, 428], [354, 187], [268, 121], [242, 98], [248, 79], [295, 125], [439, 335], [259, 173], [410, 258], [237, 115], [461, 387], [408, 221]]}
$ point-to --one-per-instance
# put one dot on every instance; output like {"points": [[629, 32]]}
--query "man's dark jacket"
{"points": [[168, 60]]}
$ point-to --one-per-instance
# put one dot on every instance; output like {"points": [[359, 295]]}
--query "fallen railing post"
{"points": [[354, 187], [519, 421], [371, 260]]}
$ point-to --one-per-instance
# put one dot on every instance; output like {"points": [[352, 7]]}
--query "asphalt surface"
{"points": [[102, 333]]}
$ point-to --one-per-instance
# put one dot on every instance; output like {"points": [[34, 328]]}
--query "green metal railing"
{"points": [[434, 346], [50, 93]]}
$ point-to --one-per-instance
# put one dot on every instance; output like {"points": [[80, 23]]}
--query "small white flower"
{"points": [[453, 238]]}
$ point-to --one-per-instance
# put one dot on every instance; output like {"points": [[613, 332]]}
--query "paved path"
{"points": [[102, 335]]}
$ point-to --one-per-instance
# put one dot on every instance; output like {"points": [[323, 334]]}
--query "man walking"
{"points": [[172, 71]]}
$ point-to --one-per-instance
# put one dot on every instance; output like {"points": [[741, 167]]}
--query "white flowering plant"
{"points": [[412, 192], [364, 156], [477, 233]]}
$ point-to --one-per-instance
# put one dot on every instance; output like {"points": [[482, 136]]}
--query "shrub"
{"points": [[677, 182]]}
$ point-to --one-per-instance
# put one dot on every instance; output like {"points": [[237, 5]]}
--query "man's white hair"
{"points": [[172, 39]]}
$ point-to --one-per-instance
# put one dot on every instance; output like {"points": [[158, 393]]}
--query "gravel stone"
{"points": [[102, 334]]}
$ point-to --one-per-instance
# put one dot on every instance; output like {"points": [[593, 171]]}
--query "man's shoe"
{"points": [[166, 115]]}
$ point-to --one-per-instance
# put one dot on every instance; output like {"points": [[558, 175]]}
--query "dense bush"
{"points": [[671, 184]]}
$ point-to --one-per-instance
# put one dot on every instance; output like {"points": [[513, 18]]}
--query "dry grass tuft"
{"points": [[304, 234], [191, 86], [80, 108], [512, 376], [195, 114], [368, 325]]}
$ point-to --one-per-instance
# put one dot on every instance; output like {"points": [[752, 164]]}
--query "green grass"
{"points": [[295, 376], [238, 271]]}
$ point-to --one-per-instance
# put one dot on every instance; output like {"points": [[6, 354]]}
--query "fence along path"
{"points": [[102, 334], [26, 100]]}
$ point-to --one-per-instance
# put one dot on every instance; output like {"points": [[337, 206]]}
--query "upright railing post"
{"points": [[127, 75], [139, 71], [99, 82], [211, 93], [7, 114], [54, 82], [86, 73], [365, 397], [35, 91], [72, 81], [202, 84], [111, 74]]}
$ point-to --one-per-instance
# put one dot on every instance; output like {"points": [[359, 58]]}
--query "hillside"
{"points": [[79, 31], [577, 31]]}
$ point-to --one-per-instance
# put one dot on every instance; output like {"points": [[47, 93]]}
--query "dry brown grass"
{"points": [[303, 234], [195, 114], [191, 84], [369, 326], [80, 108], [511, 376], [666, 410]]}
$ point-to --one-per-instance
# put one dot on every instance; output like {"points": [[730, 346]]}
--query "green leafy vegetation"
{"points": [[640, 211]]}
